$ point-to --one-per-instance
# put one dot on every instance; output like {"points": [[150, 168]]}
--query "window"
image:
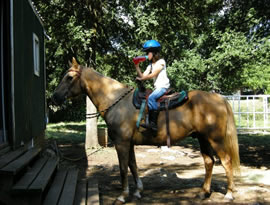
{"points": [[36, 54]]}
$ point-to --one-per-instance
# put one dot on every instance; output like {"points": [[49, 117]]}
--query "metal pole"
{"points": [[253, 104], [264, 110], [247, 111], [239, 110]]}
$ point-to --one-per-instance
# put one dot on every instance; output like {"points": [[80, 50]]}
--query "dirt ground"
{"points": [[174, 175]]}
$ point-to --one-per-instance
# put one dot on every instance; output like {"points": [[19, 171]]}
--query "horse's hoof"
{"points": [[137, 195], [135, 199], [203, 195], [229, 197], [118, 202]]}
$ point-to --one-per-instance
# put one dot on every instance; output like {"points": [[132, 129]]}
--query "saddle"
{"points": [[169, 100]]}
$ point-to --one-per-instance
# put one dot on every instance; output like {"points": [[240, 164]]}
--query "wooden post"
{"points": [[91, 140]]}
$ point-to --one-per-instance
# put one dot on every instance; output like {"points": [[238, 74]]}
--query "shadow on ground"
{"points": [[164, 183], [254, 149]]}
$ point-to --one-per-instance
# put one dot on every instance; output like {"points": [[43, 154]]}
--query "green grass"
{"points": [[246, 120], [74, 132], [66, 132], [255, 139]]}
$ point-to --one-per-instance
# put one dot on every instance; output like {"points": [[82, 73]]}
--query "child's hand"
{"points": [[137, 65]]}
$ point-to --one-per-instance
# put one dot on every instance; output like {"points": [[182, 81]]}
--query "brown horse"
{"points": [[206, 116]]}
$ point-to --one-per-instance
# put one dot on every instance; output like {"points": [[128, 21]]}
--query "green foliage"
{"points": [[70, 111], [220, 45], [256, 76], [227, 62], [189, 73], [235, 63]]}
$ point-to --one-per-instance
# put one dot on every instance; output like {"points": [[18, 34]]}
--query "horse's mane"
{"points": [[103, 76]]}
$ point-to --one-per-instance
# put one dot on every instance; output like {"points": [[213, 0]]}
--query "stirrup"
{"points": [[151, 126], [145, 125], [146, 122]]}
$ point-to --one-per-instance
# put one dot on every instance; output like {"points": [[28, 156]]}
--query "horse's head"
{"points": [[70, 85]]}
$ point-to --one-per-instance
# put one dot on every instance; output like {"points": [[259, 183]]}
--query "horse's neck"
{"points": [[102, 91]]}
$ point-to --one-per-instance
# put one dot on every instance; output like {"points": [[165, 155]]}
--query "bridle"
{"points": [[79, 72], [97, 114]]}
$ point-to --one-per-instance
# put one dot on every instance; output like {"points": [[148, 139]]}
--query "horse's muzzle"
{"points": [[57, 99]]}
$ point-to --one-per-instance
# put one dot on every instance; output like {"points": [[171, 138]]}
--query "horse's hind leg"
{"points": [[123, 156], [133, 168], [207, 153], [226, 162]]}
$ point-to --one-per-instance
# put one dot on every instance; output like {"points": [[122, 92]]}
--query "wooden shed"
{"points": [[26, 175], [22, 74]]}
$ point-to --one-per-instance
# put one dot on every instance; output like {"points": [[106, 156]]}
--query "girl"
{"points": [[156, 70]]}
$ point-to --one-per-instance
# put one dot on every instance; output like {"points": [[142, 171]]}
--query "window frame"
{"points": [[36, 55]]}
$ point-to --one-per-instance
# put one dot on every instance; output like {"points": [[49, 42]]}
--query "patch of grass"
{"points": [[74, 132], [66, 132], [257, 141], [254, 139]]}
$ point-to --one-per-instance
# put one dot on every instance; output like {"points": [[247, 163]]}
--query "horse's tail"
{"points": [[231, 139]]}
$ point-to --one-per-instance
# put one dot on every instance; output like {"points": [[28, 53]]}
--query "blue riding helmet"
{"points": [[151, 45]]}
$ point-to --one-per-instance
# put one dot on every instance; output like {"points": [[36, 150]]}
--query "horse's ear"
{"points": [[74, 62]]}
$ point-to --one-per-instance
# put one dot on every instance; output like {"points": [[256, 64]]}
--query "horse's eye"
{"points": [[69, 78]]}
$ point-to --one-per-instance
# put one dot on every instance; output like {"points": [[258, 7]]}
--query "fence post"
{"points": [[264, 110], [91, 139], [239, 109]]}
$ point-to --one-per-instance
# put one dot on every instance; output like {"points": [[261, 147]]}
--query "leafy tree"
{"points": [[227, 62], [256, 76], [220, 45]]}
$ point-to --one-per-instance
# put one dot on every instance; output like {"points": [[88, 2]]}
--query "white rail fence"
{"points": [[251, 112]]}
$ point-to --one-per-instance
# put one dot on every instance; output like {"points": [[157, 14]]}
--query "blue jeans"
{"points": [[152, 99]]}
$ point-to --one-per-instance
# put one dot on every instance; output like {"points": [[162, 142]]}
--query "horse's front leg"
{"points": [[123, 149], [134, 170]]}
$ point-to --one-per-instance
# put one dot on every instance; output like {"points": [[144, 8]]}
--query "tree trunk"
{"points": [[91, 140]]}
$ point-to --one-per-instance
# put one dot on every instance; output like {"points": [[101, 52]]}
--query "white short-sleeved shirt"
{"points": [[162, 80]]}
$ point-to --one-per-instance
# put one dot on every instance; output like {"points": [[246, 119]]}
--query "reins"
{"points": [[97, 114]]}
